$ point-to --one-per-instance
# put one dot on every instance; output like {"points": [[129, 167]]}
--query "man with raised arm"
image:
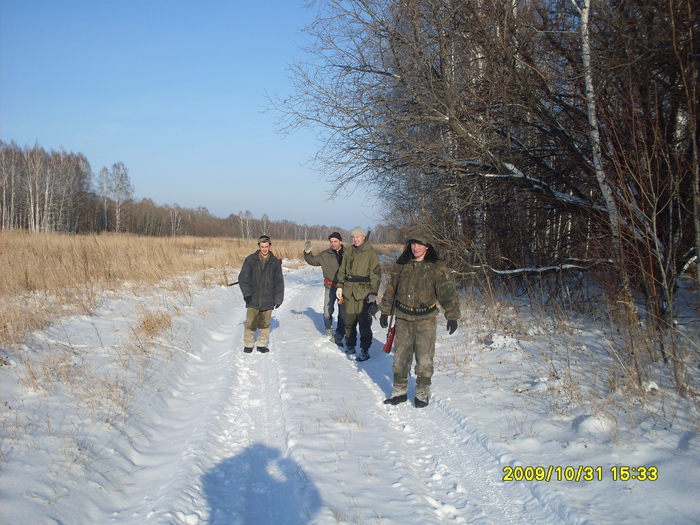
{"points": [[329, 260]]}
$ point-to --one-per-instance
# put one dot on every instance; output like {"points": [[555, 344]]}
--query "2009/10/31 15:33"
{"points": [[579, 473]]}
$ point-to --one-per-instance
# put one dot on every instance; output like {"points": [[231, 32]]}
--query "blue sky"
{"points": [[175, 90]]}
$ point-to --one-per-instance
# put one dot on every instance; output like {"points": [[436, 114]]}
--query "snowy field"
{"points": [[187, 429]]}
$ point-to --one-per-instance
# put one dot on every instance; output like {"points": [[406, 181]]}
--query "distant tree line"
{"points": [[56, 191], [534, 135]]}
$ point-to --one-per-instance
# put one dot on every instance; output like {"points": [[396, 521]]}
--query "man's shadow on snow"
{"points": [[315, 317], [378, 366], [260, 486]]}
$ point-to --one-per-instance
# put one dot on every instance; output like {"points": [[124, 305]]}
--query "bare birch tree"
{"points": [[175, 220], [105, 186], [10, 167], [528, 134], [122, 192]]}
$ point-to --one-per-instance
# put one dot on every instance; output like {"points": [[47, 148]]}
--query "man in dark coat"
{"points": [[329, 260], [417, 284], [262, 286]]}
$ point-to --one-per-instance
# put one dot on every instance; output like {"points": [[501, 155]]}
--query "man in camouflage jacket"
{"points": [[329, 260], [358, 285], [418, 283]]}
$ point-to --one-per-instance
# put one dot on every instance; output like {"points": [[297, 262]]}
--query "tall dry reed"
{"points": [[46, 276]]}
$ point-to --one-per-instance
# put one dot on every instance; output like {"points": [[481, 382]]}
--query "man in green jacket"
{"points": [[329, 260], [358, 285], [418, 282]]}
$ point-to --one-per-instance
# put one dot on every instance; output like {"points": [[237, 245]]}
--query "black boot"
{"points": [[422, 391], [420, 403], [396, 400], [364, 355]]}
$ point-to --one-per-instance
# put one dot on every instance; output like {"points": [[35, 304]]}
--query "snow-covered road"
{"points": [[298, 435], [301, 435]]}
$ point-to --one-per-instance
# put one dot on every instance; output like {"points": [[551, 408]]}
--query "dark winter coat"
{"points": [[329, 260], [264, 285]]}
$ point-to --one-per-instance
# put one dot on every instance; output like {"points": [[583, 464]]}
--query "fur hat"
{"points": [[335, 235], [358, 231], [420, 234]]}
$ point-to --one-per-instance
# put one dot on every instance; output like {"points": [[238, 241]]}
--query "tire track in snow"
{"points": [[460, 476], [192, 398], [256, 483], [544, 493], [226, 451], [451, 473], [267, 461], [448, 478]]}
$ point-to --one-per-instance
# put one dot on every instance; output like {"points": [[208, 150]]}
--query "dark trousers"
{"points": [[329, 308], [365, 325]]}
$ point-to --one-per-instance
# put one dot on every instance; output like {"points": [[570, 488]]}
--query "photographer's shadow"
{"points": [[259, 486]]}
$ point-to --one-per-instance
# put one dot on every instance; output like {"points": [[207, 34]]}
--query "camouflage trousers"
{"points": [[414, 339], [257, 320]]}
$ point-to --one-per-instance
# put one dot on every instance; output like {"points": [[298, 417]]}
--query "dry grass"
{"points": [[47, 276], [570, 362]]}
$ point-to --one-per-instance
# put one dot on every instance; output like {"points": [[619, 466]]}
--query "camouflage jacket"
{"points": [[418, 287]]}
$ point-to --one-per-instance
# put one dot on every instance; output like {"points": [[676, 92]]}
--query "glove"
{"points": [[278, 305], [384, 321], [248, 298], [339, 294], [372, 308], [371, 298], [451, 326], [307, 246]]}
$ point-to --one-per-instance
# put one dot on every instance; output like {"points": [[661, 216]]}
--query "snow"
{"points": [[185, 428]]}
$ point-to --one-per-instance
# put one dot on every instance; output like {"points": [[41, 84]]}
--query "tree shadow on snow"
{"points": [[259, 486]]}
